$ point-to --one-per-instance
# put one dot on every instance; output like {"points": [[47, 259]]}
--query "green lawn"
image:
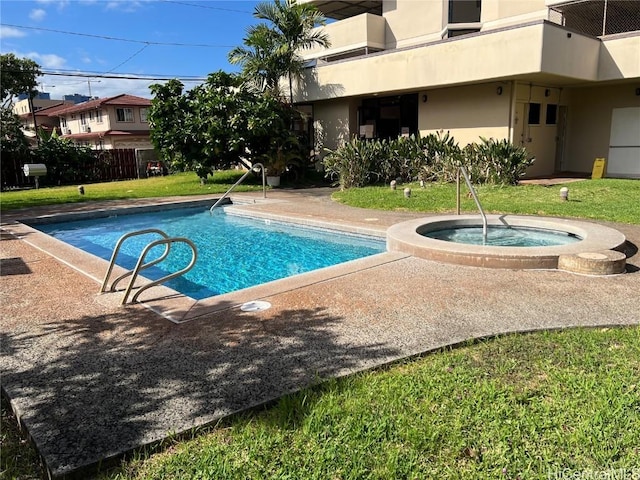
{"points": [[516, 406], [606, 199], [525, 406], [177, 184]]}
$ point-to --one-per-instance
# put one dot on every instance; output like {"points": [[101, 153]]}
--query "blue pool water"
{"points": [[504, 236], [233, 252]]}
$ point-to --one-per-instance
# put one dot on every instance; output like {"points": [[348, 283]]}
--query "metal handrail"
{"points": [[141, 266], [117, 249], [264, 185], [475, 197]]}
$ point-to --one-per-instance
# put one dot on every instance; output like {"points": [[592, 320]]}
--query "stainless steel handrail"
{"points": [[264, 185], [475, 197], [117, 249], [141, 266]]}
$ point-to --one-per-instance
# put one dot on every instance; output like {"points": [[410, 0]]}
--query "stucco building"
{"points": [[560, 77], [118, 122]]}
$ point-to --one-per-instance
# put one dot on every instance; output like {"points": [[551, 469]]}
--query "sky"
{"points": [[129, 38]]}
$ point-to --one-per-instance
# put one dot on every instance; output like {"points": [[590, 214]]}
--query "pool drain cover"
{"points": [[255, 306]]}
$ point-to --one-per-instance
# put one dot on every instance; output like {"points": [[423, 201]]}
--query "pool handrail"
{"points": [[140, 265], [475, 197], [264, 185], [116, 250]]}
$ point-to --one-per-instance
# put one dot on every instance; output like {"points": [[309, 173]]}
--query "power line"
{"points": [[130, 57], [106, 37], [207, 6], [125, 76]]}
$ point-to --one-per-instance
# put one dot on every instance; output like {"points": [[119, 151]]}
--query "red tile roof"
{"points": [[123, 99], [46, 111], [120, 133]]}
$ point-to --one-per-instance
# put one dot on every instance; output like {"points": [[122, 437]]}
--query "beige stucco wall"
{"points": [[494, 10], [589, 119], [466, 112], [411, 22], [620, 57], [333, 123], [507, 54], [135, 125]]}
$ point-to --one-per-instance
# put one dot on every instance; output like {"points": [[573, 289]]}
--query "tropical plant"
{"points": [[202, 129], [262, 63], [496, 161], [352, 164], [272, 51]]}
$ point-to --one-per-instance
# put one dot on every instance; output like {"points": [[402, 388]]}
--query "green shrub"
{"points": [[433, 158], [352, 163], [497, 162]]}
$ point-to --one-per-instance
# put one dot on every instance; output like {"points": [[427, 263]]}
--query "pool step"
{"points": [[603, 262]]}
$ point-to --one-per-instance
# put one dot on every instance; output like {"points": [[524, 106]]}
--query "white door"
{"points": [[624, 143]]}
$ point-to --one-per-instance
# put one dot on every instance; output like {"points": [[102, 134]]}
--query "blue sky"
{"points": [[94, 40]]}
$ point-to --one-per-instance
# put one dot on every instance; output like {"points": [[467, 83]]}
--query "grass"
{"points": [[516, 406], [172, 185], [607, 199]]}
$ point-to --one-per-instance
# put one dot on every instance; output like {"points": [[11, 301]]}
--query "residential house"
{"points": [[561, 78], [40, 116], [107, 123]]}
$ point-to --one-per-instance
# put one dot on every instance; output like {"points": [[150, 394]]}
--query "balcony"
{"points": [[351, 37], [341, 9], [596, 17]]}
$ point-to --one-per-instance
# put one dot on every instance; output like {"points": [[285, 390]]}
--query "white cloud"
{"points": [[37, 15], [125, 6], [46, 60], [61, 4], [10, 32]]}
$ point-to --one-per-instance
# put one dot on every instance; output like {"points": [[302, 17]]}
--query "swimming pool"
{"points": [[233, 252]]}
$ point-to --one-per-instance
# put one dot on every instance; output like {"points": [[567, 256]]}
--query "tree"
{"points": [[19, 75], [272, 51], [217, 124]]}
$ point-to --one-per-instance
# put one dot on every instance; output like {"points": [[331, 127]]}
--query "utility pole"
{"points": [[89, 83]]}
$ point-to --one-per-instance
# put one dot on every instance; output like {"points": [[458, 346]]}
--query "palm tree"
{"points": [[273, 50], [262, 66]]}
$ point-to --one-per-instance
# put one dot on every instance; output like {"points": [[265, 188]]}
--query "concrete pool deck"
{"points": [[90, 379]]}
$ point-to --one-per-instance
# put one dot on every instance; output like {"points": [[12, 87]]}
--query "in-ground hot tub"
{"points": [[593, 242]]}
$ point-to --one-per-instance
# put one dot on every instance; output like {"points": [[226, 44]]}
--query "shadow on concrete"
{"points": [[91, 389]]}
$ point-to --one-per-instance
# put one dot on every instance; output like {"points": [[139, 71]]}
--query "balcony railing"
{"points": [[353, 36], [596, 17]]}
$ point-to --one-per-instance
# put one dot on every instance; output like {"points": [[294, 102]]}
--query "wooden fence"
{"points": [[106, 166]]}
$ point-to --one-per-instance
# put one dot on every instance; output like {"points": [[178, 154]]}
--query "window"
{"points": [[552, 114], [63, 122], [91, 116], [124, 114], [464, 17], [534, 114], [143, 114], [83, 119], [464, 11], [99, 116]]}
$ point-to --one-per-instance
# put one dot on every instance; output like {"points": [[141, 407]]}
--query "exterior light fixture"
{"points": [[547, 92], [499, 90], [564, 194], [424, 99]]}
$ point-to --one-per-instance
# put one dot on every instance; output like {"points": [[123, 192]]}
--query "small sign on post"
{"points": [[599, 168]]}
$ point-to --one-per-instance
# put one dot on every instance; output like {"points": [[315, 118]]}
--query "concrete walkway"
{"points": [[91, 380]]}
